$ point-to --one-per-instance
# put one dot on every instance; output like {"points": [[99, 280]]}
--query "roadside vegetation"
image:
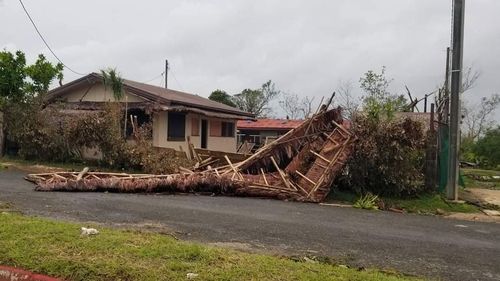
{"points": [[57, 249], [480, 178], [428, 203]]}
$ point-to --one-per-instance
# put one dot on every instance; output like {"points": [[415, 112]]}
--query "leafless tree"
{"points": [[348, 102], [477, 117], [290, 104], [469, 78], [307, 105], [296, 107]]}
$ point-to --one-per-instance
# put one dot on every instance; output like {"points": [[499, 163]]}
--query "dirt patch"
{"points": [[36, 168], [473, 217], [487, 195], [8, 273]]}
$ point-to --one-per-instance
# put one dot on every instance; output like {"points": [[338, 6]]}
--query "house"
{"points": [[422, 117], [176, 116], [261, 131]]}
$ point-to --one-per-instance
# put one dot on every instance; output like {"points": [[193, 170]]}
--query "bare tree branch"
{"points": [[296, 107], [477, 117], [349, 103], [469, 78]]}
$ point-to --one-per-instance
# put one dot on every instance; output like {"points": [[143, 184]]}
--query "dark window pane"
{"points": [[227, 129], [176, 126]]}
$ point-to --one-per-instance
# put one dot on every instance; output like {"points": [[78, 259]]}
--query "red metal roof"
{"points": [[268, 124]]}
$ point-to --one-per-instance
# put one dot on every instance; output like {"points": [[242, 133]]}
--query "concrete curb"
{"points": [[8, 273]]}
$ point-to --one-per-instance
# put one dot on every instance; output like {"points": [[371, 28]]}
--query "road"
{"points": [[419, 245]]}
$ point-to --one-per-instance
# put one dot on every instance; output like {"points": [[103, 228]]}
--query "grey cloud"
{"points": [[304, 46]]}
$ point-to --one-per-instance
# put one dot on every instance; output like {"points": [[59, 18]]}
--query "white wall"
{"points": [[98, 94], [160, 129]]}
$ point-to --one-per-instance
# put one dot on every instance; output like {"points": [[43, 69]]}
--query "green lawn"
{"points": [[425, 204], [56, 248], [478, 178], [68, 166], [431, 204]]}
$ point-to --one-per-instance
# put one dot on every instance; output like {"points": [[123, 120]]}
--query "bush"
{"points": [[142, 155], [49, 134], [387, 158], [39, 134]]}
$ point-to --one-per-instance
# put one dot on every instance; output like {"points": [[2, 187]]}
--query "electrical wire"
{"points": [[156, 77], [175, 78], [45, 42]]}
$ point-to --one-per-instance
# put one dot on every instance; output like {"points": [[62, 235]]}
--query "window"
{"points": [[227, 129], [176, 127], [195, 126], [215, 128]]}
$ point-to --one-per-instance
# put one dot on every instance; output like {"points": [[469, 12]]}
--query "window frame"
{"points": [[227, 129], [173, 120]]}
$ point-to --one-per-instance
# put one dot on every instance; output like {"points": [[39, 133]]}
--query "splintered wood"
{"points": [[301, 165]]}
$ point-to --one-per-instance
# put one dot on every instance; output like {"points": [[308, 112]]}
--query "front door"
{"points": [[204, 133]]}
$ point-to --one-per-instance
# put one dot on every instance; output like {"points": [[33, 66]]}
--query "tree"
{"points": [[306, 108], [469, 79], [477, 117], [42, 73], [257, 101], [350, 105], [19, 82], [488, 147], [12, 75], [378, 101], [222, 97], [296, 107]]}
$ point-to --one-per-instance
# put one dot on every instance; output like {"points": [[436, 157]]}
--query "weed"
{"points": [[367, 201]]}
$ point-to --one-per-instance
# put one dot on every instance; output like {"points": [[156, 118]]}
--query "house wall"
{"points": [[160, 129], [98, 94]]}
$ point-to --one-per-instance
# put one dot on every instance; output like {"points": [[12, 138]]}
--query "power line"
{"points": [[156, 77], [44, 41], [175, 78]]}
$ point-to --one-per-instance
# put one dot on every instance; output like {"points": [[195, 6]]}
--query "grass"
{"points": [[431, 204], [424, 204], [69, 166], [478, 178], [480, 172], [56, 248]]}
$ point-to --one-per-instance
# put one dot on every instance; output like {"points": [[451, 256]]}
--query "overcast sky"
{"points": [[305, 47]]}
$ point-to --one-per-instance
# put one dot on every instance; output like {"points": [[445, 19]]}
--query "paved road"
{"points": [[420, 245]]}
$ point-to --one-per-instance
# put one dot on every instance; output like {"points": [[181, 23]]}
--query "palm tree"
{"points": [[111, 78]]}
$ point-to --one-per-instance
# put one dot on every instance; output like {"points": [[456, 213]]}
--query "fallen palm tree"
{"points": [[300, 165]]}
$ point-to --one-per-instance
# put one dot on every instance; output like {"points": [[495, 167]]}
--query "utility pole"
{"points": [[447, 88], [456, 83], [166, 74]]}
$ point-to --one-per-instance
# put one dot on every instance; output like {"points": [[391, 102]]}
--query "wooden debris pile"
{"points": [[301, 165]]}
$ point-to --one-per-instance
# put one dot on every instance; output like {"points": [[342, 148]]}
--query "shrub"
{"points": [[144, 156], [387, 158], [39, 134], [367, 201], [49, 134]]}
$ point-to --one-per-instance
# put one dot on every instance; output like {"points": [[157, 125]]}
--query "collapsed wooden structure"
{"points": [[301, 165]]}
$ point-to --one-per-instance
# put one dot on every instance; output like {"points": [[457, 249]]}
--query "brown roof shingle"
{"points": [[153, 93]]}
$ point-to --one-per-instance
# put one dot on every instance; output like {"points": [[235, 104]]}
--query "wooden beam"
{"points": [[321, 157], [264, 176], [282, 175], [233, 168], [306, 178]]}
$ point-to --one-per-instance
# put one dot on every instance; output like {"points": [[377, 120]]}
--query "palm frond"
{"points": [[111, 78]]}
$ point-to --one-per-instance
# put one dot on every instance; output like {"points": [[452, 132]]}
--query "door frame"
{"points": [[204, 133]]}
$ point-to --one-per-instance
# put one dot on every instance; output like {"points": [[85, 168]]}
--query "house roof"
{"points": [[423, 117], [152, 93], [268, 124]]}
